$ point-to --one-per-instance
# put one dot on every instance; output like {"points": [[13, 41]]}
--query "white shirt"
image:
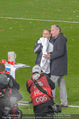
{"points": [[47, 48]]}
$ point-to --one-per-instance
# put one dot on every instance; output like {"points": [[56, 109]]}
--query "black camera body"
{"points": [[56, 108]]}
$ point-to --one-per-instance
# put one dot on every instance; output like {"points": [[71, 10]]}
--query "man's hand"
{"points": [[46, 56]]}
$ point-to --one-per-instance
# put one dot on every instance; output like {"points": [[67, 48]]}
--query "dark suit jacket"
{"points": [[59, 56], [38, 51]]}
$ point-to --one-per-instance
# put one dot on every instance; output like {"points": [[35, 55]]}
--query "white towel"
{"points": [[47, 48]]}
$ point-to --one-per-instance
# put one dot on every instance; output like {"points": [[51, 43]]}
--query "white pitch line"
{"points": [[24, 101], [73, 106], [27, 103], [22, 104], [40, 20]]}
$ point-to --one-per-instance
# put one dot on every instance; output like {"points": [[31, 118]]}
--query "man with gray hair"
{"points": [[59, 62]]}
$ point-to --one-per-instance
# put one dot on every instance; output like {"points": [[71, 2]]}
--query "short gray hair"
{"points": [[57, 27]]}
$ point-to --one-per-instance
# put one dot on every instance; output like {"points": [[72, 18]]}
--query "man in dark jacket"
{"points": [[39, 48], [14, 83], [9, 94], [41, 102], [59, 62]]}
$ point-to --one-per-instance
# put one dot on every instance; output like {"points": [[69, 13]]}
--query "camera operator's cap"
{"points": [[36, 68]]}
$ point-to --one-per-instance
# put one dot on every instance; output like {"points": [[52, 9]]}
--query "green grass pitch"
{"points": [[22, 23]]}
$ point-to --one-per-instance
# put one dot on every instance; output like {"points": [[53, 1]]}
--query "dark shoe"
{"points": [[64, 105]]}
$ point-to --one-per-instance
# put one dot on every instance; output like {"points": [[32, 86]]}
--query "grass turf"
{"points": [[20, 35]]}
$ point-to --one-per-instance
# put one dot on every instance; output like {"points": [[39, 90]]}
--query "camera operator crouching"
{"points": [[39, 86], [9, 97]]}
